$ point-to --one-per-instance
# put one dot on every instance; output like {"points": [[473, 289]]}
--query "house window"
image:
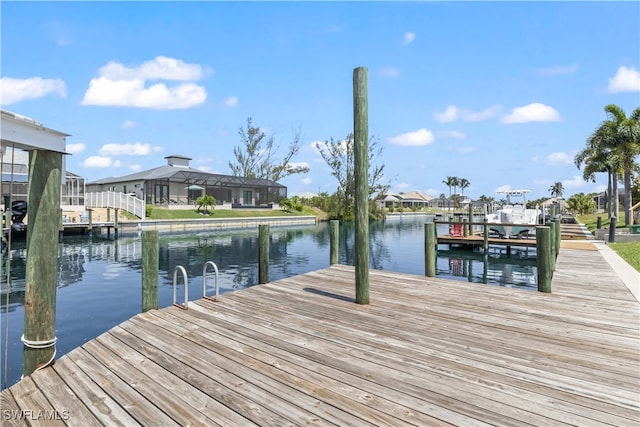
{"points": [[246, 196]]}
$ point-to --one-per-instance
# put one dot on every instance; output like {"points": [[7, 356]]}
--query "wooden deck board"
{"points": [[426, 351]]}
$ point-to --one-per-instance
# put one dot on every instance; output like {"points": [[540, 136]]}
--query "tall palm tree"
{"points": [[449, 183], [613, 147], [557, 189], [464, 183], [626, 145], [456, 183]]}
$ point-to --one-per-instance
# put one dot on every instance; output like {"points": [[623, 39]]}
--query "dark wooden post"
{"points": [[115, 223], [60, 227], [543, 257], [430, 249], [471, 219], [45, 172], [465, 228], [361, 172], [263, 253], [557, 237], [599, 222], [485, 235], [552, 243], [150, 270], [334, 242], [612, 230]]}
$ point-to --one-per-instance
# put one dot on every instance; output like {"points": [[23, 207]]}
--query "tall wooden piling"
{"points": [[263, 253], [45, 173], [90, 227], [361, 172], [612, 230], [485, 235], [430, 249], [558, 238], [471, 219], [552, 243], [115, 223], [543, 258], [150, 270], [334, 243]]}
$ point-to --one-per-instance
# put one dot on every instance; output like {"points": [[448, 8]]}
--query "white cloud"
{"points": [[557, 70], [408, 38], [75, 148], [160, 68], [135, 167], [627, 79], [14, 90], [454, 134], [204, 168], [453, 113], [450, 114], [231, 102], [389, 72], [120, 86], [416, 138], [403, 186], [128, 124], [534, 112], [559, 158], [575, 182], [136, 149], [101, 162], [306, 180]]}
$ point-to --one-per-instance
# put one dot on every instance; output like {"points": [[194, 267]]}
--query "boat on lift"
{"points": [[514, 219]]}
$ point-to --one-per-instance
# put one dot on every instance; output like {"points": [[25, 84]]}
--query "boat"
{"points": [[514, 219]]}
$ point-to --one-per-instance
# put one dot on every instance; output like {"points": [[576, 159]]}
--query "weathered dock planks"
{"points": [[426, 351]]}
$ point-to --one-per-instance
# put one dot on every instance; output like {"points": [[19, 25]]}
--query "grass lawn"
{"points": [[160, 213], [628, 251]]}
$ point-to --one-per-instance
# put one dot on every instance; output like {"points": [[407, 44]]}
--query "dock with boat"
{"points": [[425, 351]]}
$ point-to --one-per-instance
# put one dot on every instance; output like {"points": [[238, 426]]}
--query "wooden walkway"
{"points": [[299, 351]]}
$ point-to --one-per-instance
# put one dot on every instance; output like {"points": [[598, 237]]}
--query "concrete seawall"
{"points": [[209, 224]]}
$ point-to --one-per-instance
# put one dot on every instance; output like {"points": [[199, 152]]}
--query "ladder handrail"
{"points": [[204, 280], [185, 305]]}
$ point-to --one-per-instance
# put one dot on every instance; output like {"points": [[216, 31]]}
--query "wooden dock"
{"points": [[298, 351]]}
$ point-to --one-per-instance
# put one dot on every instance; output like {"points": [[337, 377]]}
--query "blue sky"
{"points": [[500, 93]]}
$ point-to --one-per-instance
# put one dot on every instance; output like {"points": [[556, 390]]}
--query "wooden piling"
{"points": [[361, 172], [543, 258], [465, 228], [45, 172], [471, 219], [90, 227], [150, 269], [599, 222], [334, 243], [552, 244], [430, 249], [558, 239], [263, 253], [485, 235], [115, 223]]}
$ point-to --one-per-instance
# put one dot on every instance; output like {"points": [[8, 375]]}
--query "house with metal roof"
{"points": [[177, 184]]}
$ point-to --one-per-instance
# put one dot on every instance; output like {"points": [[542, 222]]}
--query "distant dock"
{"points": [[426, 351]]}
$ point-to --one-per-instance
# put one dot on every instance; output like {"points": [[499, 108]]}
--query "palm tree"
{"points": [[613, 148], [456, 183], [464, 183], [556, 190], [626, 147], [449, 182]]}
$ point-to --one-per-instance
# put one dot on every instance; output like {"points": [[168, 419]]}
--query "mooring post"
{"points": [[599, 222], [150, 270], [115, 224], [90, 227], [558, 237], [334, 243], [39, 339], [465, 228], [612, 230], [361, 172], [430, 249], [60, 227], [544, 258], [263, 253], [485, 235], [552, 243], [471, 219]]}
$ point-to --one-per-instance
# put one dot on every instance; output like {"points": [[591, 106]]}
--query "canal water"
{"points": [[99, 280]]}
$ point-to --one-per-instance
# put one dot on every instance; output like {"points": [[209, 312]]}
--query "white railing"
{"points": [[116, 200]]}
